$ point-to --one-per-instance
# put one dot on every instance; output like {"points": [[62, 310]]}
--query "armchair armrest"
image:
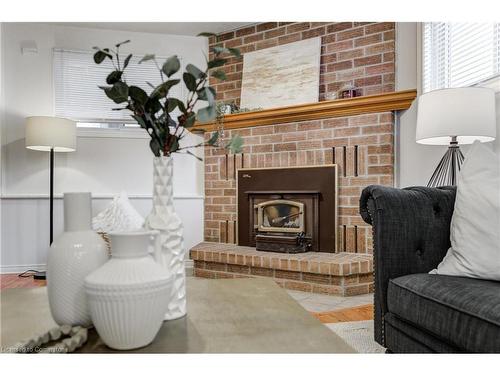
{"points": [[411, 234]]}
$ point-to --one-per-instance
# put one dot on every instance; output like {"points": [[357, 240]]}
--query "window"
{"points": [[459, 54], [78, 97]]}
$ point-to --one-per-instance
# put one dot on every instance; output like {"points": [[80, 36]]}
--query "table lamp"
{"points": [[51, 134], [454, 117]]}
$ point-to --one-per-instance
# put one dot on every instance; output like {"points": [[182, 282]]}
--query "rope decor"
{"points": [[66, 338]]}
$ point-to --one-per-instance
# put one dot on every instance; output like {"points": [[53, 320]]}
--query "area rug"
{"points": [[359, 335]]}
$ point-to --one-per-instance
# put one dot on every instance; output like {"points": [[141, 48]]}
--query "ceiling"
{"points": [[176, 28]]}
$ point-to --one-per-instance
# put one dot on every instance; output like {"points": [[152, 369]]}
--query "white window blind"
{"points": [[78, 97], [459, 54]]}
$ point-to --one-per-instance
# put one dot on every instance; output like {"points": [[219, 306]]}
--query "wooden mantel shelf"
{"points": [[305, 112]]}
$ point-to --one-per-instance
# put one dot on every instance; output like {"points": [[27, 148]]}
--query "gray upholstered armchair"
{"points": [[415, 311]]}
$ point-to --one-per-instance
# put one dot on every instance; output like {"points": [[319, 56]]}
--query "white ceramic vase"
{"points": [[128, 296], [72, 256], [164, 219]]}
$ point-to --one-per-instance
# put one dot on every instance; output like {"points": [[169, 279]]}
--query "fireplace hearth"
{"points": [[288, 210]]}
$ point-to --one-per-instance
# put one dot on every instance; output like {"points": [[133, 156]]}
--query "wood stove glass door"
{"points": [[280, 215]]}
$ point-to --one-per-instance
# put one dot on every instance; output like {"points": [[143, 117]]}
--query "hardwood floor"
{"points": [[352, 314], [11, 280]]}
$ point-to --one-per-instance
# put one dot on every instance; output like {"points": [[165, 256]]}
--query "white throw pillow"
{"points": [[475, 225]]}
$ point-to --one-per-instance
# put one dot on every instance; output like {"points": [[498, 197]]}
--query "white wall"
{"points": [[102, 165], [1, 126], [415, 162], [497, 141], [25, 231]]}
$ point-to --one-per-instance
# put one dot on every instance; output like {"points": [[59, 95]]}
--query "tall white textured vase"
{"points": [[164, 219], [76, 253]]}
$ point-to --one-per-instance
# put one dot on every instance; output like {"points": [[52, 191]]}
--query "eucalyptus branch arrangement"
{"points": [[155, 111]]}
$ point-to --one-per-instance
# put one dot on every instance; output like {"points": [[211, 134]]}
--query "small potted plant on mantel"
{"points": [[166, 119]]}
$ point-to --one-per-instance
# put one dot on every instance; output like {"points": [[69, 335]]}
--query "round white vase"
{"points": [[72, 256], [164, 219], [128, 296]]}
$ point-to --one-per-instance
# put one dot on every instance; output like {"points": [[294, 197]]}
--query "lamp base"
{"points": [[448, 168]]}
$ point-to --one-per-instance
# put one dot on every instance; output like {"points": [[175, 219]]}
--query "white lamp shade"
{"points": [[44, 133], [466, 113]]}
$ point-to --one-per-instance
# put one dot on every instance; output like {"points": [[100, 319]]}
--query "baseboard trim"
{"points": [[189, 267], [22, 267]]}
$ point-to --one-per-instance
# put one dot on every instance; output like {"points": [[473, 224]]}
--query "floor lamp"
{"points": [[50, 134], [454, 117]]}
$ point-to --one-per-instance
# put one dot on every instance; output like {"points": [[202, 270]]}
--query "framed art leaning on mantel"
{"points": [[282, 75]]}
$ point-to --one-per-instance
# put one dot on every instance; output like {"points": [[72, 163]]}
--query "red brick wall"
{"points": [[351, 51], [335, 140], [357, 52]]}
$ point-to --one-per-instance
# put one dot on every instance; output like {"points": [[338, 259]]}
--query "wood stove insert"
{"points": [[288, 210]]}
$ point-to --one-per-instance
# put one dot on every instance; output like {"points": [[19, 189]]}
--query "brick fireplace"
{"points": [[360, 145]]}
